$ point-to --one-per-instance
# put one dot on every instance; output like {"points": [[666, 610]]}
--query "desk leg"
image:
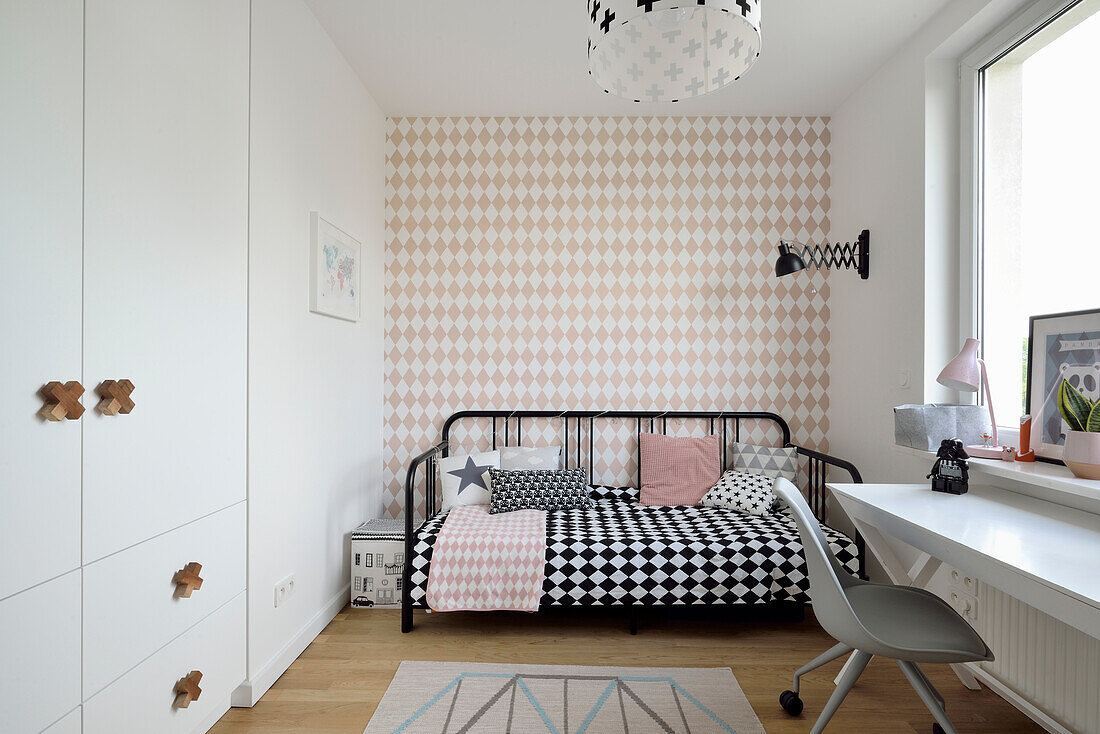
{"points": [[918, 576], [923, 570], [844, 669], [966, 677], [897, 571]]}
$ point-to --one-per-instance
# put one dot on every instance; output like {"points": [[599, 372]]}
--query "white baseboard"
{"points": [[1026, 707], [208, 724], [249, 692]]}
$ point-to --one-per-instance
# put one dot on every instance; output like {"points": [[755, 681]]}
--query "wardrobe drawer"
{"points": [[68, 725], [143, 700], [39, 654], [130, 604]]}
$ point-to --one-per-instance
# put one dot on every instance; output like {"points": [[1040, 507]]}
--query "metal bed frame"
{"points": [[718, 422]]}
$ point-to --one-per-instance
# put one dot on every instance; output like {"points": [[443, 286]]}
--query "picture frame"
{"points": [[1059, 345], [335, 259]]}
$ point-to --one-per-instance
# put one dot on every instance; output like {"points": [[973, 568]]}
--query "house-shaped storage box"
{"points": [[377, 563]]}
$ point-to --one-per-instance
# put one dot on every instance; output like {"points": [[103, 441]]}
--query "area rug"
{"points": [[469, 698]]}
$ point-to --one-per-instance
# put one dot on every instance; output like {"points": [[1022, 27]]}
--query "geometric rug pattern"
{"points": [[461, 698], [596, 263]]}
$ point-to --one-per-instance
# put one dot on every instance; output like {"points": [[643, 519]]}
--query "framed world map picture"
{"points": [[333, 270]]}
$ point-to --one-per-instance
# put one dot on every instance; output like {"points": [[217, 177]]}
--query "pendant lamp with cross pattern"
{"points": [[671, 50]]}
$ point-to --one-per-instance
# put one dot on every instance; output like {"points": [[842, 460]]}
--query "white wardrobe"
{"points": [[123, 255]]}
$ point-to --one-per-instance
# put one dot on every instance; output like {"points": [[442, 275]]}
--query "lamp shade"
{"points": [[788, 261], [963, 373], [666, 50]]}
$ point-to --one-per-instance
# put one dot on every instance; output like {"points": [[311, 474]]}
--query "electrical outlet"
{"points": [[970, 608], [970, 584], [964, 582], [965, 605], [284, 589]]}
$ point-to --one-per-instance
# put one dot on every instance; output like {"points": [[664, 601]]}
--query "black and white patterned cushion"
{"points": [[624, 553], [737, 490], [767, 460], [537, 489]]}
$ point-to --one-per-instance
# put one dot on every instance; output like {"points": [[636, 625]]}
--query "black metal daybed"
{"points": [[621, 554]]}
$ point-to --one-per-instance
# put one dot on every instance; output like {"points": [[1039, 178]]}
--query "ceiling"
{"points": [[528, 57]]}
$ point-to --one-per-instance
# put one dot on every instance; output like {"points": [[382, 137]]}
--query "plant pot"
{"points": [[1082, 454]]}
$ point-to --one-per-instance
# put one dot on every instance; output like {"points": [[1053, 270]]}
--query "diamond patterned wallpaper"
{"points": [[591, 263]]}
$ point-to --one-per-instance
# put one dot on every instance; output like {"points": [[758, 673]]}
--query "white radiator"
{"points": [[1047, 662]]}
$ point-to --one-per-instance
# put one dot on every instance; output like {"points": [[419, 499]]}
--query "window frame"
{"points": [[1024, 24]]}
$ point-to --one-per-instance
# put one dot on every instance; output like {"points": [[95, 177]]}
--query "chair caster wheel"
{"points": [[937, 729], [790, 702]]}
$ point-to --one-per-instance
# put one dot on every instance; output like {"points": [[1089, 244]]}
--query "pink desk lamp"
{"points": [[966, 373]]}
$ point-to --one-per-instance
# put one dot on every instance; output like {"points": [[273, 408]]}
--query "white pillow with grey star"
{"points": [[465, 479], [750, 494]]}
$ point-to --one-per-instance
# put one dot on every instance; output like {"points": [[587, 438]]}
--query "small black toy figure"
{"points": [[951, 473]]}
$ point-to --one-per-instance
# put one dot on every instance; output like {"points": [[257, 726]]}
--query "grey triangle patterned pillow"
{"points": [[537, 489], [767, 460], [748, 493]]}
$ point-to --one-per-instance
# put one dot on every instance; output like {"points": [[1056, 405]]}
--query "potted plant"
{"points": [[1082, 449]]}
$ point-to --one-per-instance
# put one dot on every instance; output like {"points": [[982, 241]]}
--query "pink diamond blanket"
{"points": [[487, 562]]}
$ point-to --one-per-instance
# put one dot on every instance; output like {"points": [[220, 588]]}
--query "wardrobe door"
{"points": [[165, 252], [41, 46]]}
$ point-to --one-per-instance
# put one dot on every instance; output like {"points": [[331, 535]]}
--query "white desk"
{"points": [[1044, 554]]}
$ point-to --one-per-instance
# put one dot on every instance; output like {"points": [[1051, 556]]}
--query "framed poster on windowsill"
{"points": [[1060, 346]]}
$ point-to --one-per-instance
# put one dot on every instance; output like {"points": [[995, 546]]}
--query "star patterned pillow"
{"points": [[750, 494], [465, 479]]}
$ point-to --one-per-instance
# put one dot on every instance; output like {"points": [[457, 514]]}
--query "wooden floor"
{"points": [[337, 682]]}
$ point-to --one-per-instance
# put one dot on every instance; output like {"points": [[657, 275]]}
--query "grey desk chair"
{"points": [[907, 624]]}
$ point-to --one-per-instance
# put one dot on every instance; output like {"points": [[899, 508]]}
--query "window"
{"points": [[358, 558], [1038, 188], [358, 583]]}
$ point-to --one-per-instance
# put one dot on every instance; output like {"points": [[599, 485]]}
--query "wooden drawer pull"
{"points": [[187, 579], [62, 401], [187, 689], [115, 397]]}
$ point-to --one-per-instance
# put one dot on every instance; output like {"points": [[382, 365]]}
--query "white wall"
{"points": [[895, 152], [895, 155], [315, 383], [899, 125]]}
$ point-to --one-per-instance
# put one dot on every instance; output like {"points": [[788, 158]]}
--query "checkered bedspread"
{"points": [[618, 552]]}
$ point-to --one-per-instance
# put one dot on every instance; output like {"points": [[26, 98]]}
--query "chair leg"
{"points": [[826, 657], [854, 670], [932, 688], [931, 697]]}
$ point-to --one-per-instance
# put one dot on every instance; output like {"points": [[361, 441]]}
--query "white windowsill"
{"points": [[1051, 482]]}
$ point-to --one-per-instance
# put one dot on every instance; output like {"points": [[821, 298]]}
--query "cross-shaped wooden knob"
{"points": [[115, 397], [187, 579], [62, 401], [187, 689]]}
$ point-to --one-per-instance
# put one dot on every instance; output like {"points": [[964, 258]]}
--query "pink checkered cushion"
{"points": [[678, 470]]}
